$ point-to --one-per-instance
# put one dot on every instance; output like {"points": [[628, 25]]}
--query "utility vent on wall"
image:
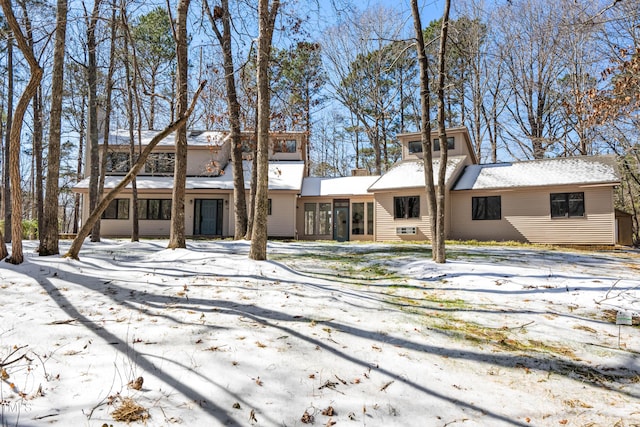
{"points": [[406, 230]]}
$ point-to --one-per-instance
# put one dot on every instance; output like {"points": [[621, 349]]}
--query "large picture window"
{"points": [[154, 209], [406, 207], [309, 219], [415, 147], [284, 146], [117, 209], [357, 218], [160, 163], [567, 205], [317, 219], [488, 207], [118, 161], [324, 218], [451, 143]]}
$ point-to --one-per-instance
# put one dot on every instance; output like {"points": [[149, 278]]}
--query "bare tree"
{"points": [[16, 128], [224, 38], [439, 238], [177, 237], [92, 110], [267, 16], [49, 231]]}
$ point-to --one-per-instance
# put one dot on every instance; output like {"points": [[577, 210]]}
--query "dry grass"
{"points": [[129, 411]]}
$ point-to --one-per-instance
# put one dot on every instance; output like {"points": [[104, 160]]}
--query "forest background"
{"points": [[529, 80]]}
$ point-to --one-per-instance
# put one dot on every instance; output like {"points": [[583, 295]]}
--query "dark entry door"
{"points": [[341, 220], [208, 217]]}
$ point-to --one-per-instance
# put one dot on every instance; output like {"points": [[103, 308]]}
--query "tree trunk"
{"points": [[49, 232], [3, 246], [16, 129], [239, 193], [92, 130], [38, 199], [79, 160], [267, 17], [76, 245], [425, 122], [177, 237], [131, 84], [6, 194], [439, 250]]}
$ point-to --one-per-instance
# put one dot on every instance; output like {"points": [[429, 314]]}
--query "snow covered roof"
{"points": [[338, 186], [285, 176], [410, 174], [194, 137], [534, 173]]}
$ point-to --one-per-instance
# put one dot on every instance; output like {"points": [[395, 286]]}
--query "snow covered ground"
{"points": [[322, 334]]}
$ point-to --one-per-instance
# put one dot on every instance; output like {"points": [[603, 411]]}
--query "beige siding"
{"points": [[386, 224], [282, 221], [526, 217]]}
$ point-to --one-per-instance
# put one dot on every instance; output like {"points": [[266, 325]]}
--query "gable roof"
{"points": [[536, 173], [337, 186], [410, 174], [283, 176]]}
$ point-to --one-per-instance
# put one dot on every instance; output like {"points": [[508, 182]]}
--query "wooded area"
{"points": [[529, 80]]}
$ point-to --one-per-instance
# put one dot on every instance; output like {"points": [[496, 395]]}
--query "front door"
{"points": [[208, 217], [341, 220]]}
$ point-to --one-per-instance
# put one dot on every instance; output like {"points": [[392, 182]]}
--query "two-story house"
{"points": [[558, 201]]}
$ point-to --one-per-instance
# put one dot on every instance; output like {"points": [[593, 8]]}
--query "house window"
{"points": [[160, 163], [269, 207], [450, 143], [317, 219], [154, 209], [284, 146], [370, 218], [324, 218], [309, 218], [406, 207], [357, 218], [415, 147], [486, 207], [117, 209], [118, 161], [248, 145], [567, 205]]}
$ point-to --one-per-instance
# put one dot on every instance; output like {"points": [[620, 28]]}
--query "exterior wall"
{"points": [[282, 221], [526, 217], [386, 224], [204, 160]]}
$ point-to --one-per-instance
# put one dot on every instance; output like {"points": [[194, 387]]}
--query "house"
{"points": [[555, 201]]}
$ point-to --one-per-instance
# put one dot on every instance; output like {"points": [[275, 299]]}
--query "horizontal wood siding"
{"points": [[386, 224], [526, 217]]}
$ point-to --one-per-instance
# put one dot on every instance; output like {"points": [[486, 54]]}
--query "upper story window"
{"points": [[415, 147], [118, 161], [160, 163], [284, 146], [567, 205], [450, 143]]}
